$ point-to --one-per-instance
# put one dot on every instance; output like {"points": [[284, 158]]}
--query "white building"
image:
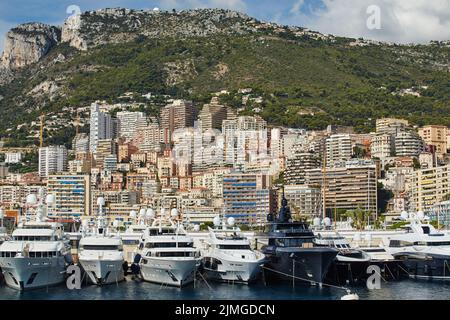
{"points": [[129, 123], [338, 148], [13, 157], [52, 159], [101, 127]]}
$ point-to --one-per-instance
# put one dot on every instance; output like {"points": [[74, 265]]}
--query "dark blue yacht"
{"points": [[291, 251]]}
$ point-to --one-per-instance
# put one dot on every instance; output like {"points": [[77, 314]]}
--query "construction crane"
{"points": [[41, 132]]}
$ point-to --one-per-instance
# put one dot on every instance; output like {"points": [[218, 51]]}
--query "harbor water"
{"points": [[137, 290]]}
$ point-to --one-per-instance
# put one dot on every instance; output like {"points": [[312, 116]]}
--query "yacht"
{"points": [[291, 252], [425, 251], [167, 254], [227, 255], [134, 232], [350, 264], [101, 253], [38, 253], [3, 237]]}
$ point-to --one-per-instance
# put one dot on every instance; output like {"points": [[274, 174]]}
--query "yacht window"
{"points": [[175, 254], [101, 247], [150, 245], [233, 247], [399, 244], [426, 229], [432, 244]]}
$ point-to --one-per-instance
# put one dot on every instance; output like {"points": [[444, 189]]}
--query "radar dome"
{"points": [[404, 215], [100, 201], [31, 199], [327, 222], [133, 214], [174, 213], [420, 215], [316, 222], [196, 228], [50, 199], [142, 213], [230, 221], [115, 223], [216, 221], [150, 214]]}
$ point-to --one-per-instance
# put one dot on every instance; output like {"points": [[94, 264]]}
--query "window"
{"points": [[233, 247], [100, 247]]}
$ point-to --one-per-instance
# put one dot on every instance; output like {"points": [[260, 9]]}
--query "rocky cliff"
{"points": [[95, 28], [27, 44]]}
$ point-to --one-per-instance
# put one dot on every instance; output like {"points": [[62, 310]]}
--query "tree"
{"points": [[359, 218]]}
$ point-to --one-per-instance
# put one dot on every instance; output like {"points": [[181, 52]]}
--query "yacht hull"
{"points": [[32, 273], [343, 272], [233, 270], [427, 266], [103, 272], [170, 272], [298, 264]]}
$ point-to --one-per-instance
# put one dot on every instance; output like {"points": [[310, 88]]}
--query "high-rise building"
{"points": [[80, 143], [213, 114], [408, 144], [304, 200], [297, 165], [391, 125], [428, 187], [338, 148], [101, 127], [72, 194], [180, 114], [348, 186], [129, 123], [248, 197], [52, 159], [435, 136], [105, 148], [382, 146]]}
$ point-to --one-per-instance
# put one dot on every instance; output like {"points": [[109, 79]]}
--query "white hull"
{"points": [[32, 273], [234, 270], [102, 272], [172, 272]]}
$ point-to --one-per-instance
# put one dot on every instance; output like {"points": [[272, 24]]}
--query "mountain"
{"points": [[301, 78]]}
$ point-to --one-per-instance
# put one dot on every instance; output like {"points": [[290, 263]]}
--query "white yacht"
{"points": [[227, 255], [424, 250], [101, 254], [134, 232], [38, 254], [167, 254]]}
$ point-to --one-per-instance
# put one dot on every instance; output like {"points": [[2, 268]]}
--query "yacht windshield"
{"points": [[233, 247], [101, 247]]}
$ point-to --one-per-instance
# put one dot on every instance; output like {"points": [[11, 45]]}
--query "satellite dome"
{"points": [[100, 201], [150, 214], [404, 215], [115, 223], [31, 199], [230, 221], [420, 215], [327, 222], [196, 228], [174, 213], [133, 214], [216, 221], [142, 213], [316, 222], [50, 199]]}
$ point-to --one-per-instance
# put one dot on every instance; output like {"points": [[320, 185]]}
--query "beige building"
{"points": [[436, 136], [428, 187], [304, 200], [347, 187], [180, 114], [212, 115]]}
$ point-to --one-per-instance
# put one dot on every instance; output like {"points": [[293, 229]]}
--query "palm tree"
{"points": [[359, 218]]}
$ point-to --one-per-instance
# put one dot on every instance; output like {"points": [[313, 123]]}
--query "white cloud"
{"points": [[402, 21]]}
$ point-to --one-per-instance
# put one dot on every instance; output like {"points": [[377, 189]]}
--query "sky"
{"points": [[401, 21]]}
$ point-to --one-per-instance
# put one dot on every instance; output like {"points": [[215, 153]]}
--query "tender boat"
{"points": [[101, 254], [227, 255], [167, 254], [38, 253], [291, 251]]}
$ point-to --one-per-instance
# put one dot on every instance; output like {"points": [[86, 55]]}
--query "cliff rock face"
{"points": [[27, 44], [95, 28]]}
